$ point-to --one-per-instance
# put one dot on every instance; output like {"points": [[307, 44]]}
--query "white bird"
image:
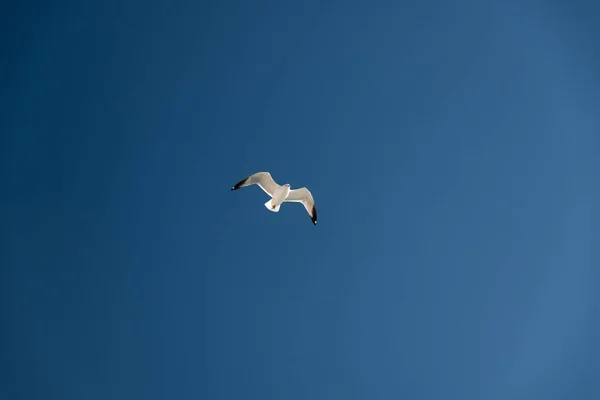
{"points": [[280, 194]]}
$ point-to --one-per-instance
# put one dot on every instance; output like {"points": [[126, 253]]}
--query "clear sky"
{"points": [[452, 149]]}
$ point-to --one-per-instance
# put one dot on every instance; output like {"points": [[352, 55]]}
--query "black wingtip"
{"points": [[239, 184], [313, 217]]}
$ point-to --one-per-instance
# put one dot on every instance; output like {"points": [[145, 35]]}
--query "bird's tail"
{"points": [[270, 207]]}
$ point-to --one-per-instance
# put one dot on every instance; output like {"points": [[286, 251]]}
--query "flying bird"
{"points": [[280, 193]]}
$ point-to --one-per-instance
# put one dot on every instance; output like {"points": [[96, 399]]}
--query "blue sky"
{"points": [[452, 150]]}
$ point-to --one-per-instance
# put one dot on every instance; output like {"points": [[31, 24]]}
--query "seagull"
{"points": [[280, 194]]}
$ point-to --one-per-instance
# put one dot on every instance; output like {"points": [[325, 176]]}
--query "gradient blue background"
{"points": [[452, 149]]}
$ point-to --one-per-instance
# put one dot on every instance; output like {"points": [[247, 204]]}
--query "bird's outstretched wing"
{"points": [[262, 179], [304, 196]]}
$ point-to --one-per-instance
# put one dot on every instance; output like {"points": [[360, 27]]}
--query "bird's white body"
{"points": [[280, 193]]}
